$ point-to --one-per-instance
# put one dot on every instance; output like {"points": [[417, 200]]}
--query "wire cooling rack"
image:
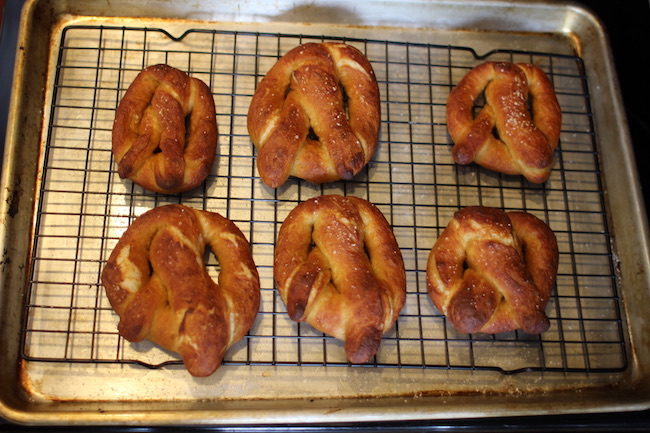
{"points": [[83, 206]]}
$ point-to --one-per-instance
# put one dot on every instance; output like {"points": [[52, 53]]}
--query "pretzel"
{"points": [[492, 271], [524, 144], [315, 115], [351, 282], [165, 131], [156, 281]]}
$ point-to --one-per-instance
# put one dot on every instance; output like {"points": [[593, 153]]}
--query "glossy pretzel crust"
{"points": [[156, 281], [524, 144], [165, 131], [339, 268], [492, 271], [298, 119]]}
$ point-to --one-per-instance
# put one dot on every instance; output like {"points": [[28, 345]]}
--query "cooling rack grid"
{"points": [[83, 205]]}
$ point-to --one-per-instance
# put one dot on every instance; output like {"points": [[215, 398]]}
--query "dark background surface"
{"points": [[628, 27]]}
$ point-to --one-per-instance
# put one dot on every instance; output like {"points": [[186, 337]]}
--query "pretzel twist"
{"points": [[156, 281], [315, 115], [492, 271], [351, 282], [165, 131], [525, 144]]}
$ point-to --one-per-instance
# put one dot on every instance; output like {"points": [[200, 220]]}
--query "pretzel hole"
{"points": [[367, 253], [495, 133], [479, 103], [345, 97], [211, 263], [311, 134], [523, 253], [188, 129]]}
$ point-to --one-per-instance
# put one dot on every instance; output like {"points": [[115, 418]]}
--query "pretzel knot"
{"points": [[165, 131], [157, 282], [315, 115], [523, 144], [339, 268], [492, 271]]}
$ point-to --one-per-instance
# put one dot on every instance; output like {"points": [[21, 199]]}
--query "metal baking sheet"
{"points": [[64, 208]]}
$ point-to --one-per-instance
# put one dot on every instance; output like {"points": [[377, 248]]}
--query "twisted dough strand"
{"points": [[156, 281], [351, 282], [298, 119], [524, 144], [165, 131], [492, 271]]}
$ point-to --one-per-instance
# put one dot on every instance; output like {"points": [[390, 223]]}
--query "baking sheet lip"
{"points": [[621, 137], [330, 415], [373, 407], [16, 195], [241, 14]]}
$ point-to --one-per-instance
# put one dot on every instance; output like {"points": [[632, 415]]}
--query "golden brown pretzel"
{"points": [[351, 283], [156, 281], [525, 144], [492, 271], [165, 131], [298, 122]]}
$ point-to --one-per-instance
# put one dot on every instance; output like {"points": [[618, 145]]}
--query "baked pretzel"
{"points": [[350, 283], [156, 281], [524, 144], [492, 271], [315, 115], [165, 131]]}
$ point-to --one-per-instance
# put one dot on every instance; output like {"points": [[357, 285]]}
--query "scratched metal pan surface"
{"points": [[64, 207]]}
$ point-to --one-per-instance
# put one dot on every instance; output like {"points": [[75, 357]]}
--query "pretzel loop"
{"points": [[156, 281], [523, 144], [492, 271], [165, 131], [315, 115], [338, 267]]}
